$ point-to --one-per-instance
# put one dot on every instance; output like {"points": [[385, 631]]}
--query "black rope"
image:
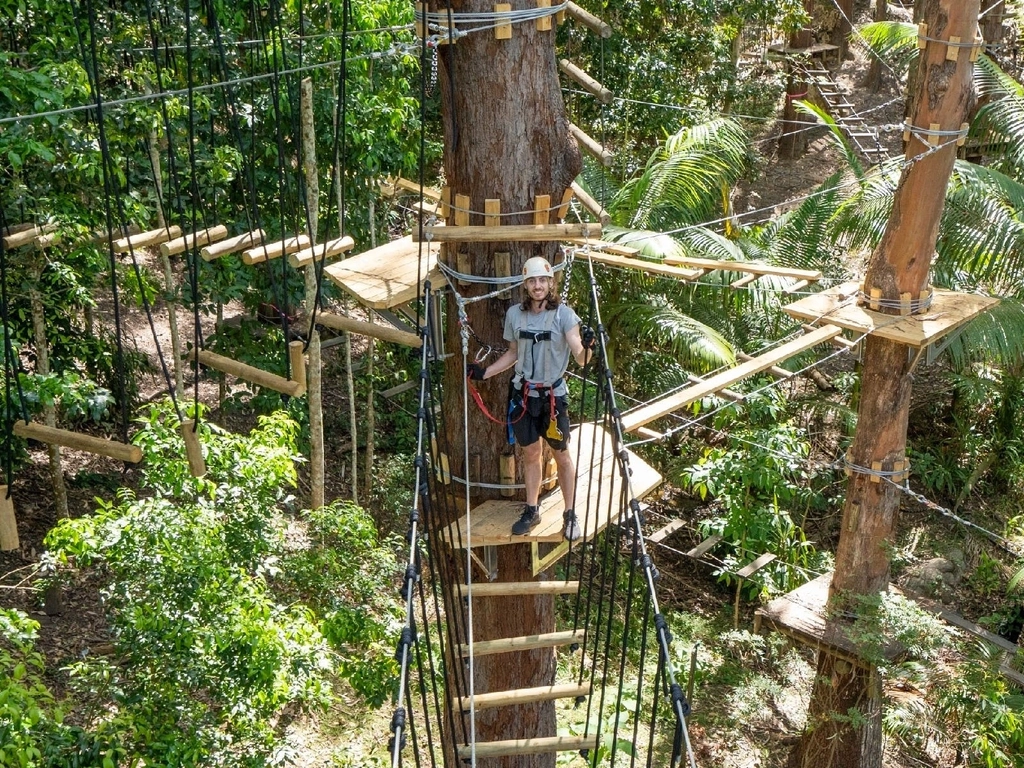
{"points": [[10, 365]]}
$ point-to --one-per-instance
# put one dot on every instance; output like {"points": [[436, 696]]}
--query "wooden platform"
{"points": [[838, 306], [385, 277], [598, 487]]}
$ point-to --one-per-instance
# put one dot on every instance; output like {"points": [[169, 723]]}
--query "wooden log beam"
{"points": [[232, 245], [77, 441], [373, 330], [145, 239], [8, 522], [26, 235], [521, 696], [750, 267], [321, 251], [585, 81], [510, 233], [275, 250], [193, 239], [524, 643], [193, 450], [589, 20], [592, 146], [538, 745], [591, 204], [297, 364], [391, 187], [652, 267], [504, 588], [249, 373]]}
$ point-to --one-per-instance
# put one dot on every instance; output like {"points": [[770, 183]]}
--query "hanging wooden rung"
{"points": [[663, 533], [248, 372], [511, 233], [667, 405], [391, 187], [200, 237], [744, 281], [589, 20], [193, 450], [728, 394], [79, 442], [705, 546], [751, 568], [524, 643], [321, 251], [586, 81], [521, 696], [535, 746], [232, 245], [275, 250], [652, 267], [590, 204], [373, 330], [297, 365], [520, 588], [145, 239], [591, 145], [8, 522], [26, 234]]}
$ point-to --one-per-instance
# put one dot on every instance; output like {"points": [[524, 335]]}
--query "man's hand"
{"points": [[475, 371], [588, 337]]}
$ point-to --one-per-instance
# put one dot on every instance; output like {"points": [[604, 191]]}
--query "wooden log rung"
{"points": [[275, 250], [585, 81], [521, 696], [232, 245], [589, 20], [77, 441], [321, 251], [663, 533], [373, 330], [651, 267], [524, 643], [145, 239], [518, 588], [249, 373], [511, 233], [590, 204], [591, 145], [535, 746], [193, 239]]}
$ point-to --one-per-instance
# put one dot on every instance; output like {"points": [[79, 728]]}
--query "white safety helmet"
{"points": [[537, 266]]}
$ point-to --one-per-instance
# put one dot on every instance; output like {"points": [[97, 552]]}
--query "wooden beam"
{"points": [[306, 256], [26, 235], [728, 394], [592, 146], [653, 267], [536, 746], [297, 364], [511, 233], [144, 239], [525, 643], [200, 237], [705, 546], [275, 250], [79, 442], [751, 568], [778, 373], [193, 450], [232, 245], [589, 20], [373, 330], [590, 204], [585, 81], [750, 267], [519, 588], [391, 187], [8, 522], [681, 399], [248, 372], [663, 533], [521, 696]]}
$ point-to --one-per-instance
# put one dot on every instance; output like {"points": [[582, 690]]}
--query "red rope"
{"points": [[483, 408]]}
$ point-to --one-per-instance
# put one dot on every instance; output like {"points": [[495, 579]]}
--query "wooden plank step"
{"points": [[509, 233], [524, 643], [705, 546], [504, 588], [522, 696], [655, 410], [663, 533], [536, 746], [653, 267], [751, 568]]}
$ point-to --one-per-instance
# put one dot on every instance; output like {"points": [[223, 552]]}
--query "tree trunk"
{"points": [[314, 391], [507, 137], [873, 79], [899, 265], [793, 141]]}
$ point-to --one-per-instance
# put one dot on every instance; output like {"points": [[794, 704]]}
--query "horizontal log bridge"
{"points": [[521, 696], [665, 406], [541, 745], [232, 245], [145, 239], [79, 442], [525, 643], [200, 237], [321, 251], [250, 373], [275, 250], [373, 330], [585, 81], [511, 233]]}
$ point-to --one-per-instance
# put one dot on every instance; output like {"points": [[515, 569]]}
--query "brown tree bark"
{"points": [[873, 79], [793, 140], [507, 137], [900, 264]]}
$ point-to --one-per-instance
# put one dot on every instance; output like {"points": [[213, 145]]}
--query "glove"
{"points": [[475, 371], [588, 337]]}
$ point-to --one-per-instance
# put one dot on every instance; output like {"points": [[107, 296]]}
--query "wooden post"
{"points": [[900, 264], [297, 363], [313, 381], [508, 473], [193, 450], [8, 522]]}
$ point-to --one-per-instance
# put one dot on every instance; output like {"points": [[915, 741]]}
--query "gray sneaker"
{"points": [[527, 521], [572, 527]]}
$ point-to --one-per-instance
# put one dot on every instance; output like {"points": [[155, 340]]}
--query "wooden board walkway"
{"points": [[838, 306], [635, 419], [598, 487], [385, 277]]}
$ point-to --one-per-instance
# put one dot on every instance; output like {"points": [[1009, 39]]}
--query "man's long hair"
{"points": [[553, 299]]}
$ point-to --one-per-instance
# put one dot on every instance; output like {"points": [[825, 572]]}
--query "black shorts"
{"points": [[533, 425]]}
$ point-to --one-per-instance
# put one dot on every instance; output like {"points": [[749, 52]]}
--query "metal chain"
{"points": [[570, 254]]}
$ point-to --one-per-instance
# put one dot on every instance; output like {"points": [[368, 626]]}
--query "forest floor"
{"points": [[78, 627]]}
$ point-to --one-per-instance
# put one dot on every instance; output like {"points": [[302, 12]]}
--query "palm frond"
{"points": [[996, 336], [823, 117], [893, 42]]}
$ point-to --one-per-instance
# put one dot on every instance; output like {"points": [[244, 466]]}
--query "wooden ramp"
{"points": [[385, 277], [598, 489], [637, 418]]}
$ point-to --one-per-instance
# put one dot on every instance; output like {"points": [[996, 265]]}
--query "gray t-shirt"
{"points": [[543, 361]]}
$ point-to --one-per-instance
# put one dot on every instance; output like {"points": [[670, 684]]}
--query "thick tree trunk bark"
{"points": [[506, 137], [873, 79], [793, 140], [899, 265]]}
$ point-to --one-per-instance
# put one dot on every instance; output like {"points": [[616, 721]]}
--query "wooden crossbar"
{"points": [[250, 373], [653, 267], [504, 588], [510, 233], [144, 239], [524, 643], [522, 696], [585, 81], [307, 256], [193, 239], [750, 267], [705, 546], [751, 568], [373, 330], [590, 204], [589, 20], [390, 188], [20, 234], [8, 522], [657, 409], [591, 145], [663, 533], [79, 442], [232, 245], [534, 746], [275, 250]]}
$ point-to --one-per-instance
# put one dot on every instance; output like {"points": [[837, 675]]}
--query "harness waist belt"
{"points": [[535, 336], [540, 385]]}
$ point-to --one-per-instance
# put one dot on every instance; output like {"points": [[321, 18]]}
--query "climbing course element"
{"points": [[79, 442], [193, 240], [267, 251], [385, 277], [258, 376], [146, 239]]}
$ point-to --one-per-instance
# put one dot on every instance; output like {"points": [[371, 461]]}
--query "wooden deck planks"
{"points": [[385, 277]]}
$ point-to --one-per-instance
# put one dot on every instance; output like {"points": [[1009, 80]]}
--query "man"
{"points": [[542, 333]]}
